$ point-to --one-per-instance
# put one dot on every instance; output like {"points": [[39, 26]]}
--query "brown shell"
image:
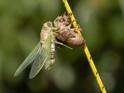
{"points": [[66, 32], [76, 40]]}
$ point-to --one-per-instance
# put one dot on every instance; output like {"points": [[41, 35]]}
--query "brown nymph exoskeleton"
{"points": [[66, 32]]}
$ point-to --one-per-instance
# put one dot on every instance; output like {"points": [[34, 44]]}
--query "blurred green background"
{"points": [[103, 25]]}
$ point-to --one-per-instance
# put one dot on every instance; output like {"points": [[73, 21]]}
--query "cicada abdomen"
{"points": [[47, 32], [66, 32]]}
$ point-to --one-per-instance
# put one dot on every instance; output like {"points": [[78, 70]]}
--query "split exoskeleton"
{"points": [[59, 32], [66, 32]]}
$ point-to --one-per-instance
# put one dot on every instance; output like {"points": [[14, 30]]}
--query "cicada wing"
{"points": [[33, 55], [38, 64], [42, 59]]}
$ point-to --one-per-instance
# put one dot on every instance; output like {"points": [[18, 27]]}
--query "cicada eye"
{"points": [[49, 24]]}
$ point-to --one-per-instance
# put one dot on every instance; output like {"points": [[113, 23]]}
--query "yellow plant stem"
{"points": [[85, 48]]}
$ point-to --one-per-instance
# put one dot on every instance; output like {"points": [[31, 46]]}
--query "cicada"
{"points": [[58, 32]]}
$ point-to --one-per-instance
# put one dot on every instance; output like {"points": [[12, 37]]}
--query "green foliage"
{"points": [[103, 25]]}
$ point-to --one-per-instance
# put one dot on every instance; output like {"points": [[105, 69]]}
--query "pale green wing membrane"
{"points": [[39, 57], [31, 57], [39, 62], [42, 59]]}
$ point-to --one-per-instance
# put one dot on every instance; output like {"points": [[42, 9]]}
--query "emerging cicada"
{"points": [[43, 54]]}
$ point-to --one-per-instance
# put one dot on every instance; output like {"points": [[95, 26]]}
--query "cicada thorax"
{"points": [[45, 31], [66, 32]]}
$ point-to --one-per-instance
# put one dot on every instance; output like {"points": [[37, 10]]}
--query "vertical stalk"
{"points": [[85, 48]]}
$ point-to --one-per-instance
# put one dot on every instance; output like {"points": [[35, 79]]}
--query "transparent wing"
{"points": [[33, 55], [41, 60]]}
